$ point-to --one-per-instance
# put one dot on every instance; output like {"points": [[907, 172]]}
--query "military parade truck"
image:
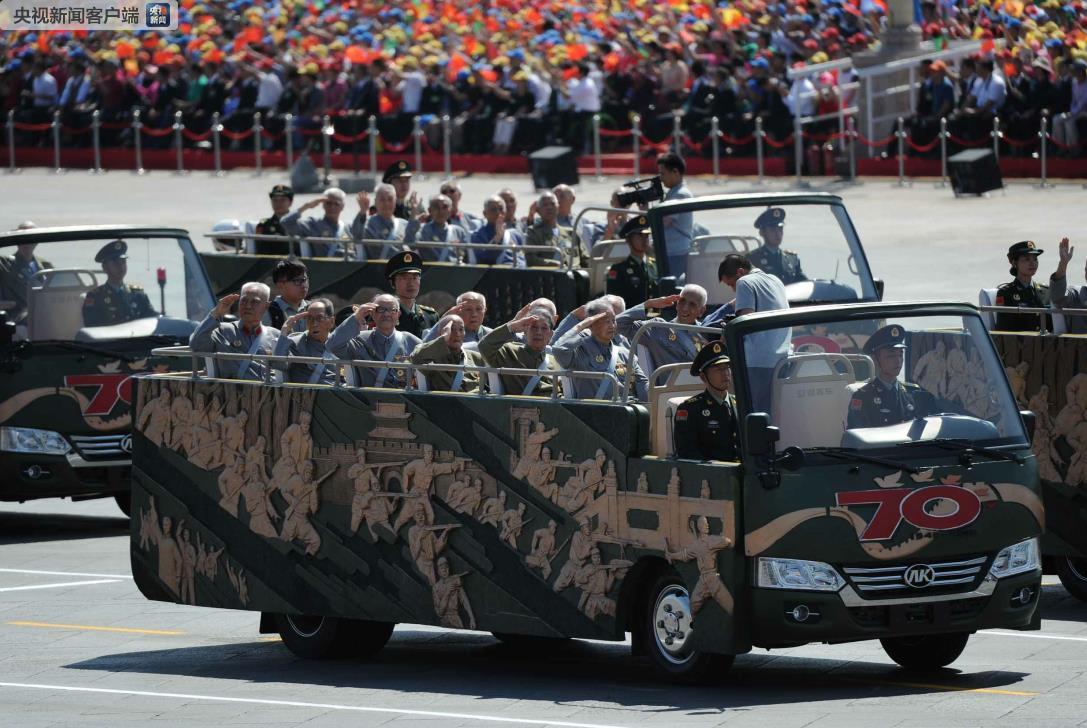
{"points": [[337, 512], [70, 345]]}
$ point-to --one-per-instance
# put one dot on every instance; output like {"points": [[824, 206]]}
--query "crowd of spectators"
{"points": [[514, 75]]}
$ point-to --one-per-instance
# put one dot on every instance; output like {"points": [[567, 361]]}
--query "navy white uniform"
{"points": [[215, 336], [300, 373], [348, 341], [579, 351]]}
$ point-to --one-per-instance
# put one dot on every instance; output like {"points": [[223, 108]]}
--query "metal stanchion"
{"points": [[900, 132], [258, 148], [1043, 152], [997, 136], [179, 142], [447, 142], [288, 135], [217, 143], [596, 147], [371, 133], [137, 140], [636, 135], [715, 140], [417, 143], [56, 143], [96, 141], [798, 150], [326, 148], [943, 153], [759, 154], [677, 133], [11, 142], [851, 133]]}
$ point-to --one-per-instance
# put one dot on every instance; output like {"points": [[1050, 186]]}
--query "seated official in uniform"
{"points": [[502, 348], [281, 198], [471, 307], [590, 347], [291, 280], [885, 400], [329, 225], [385, 225], [244, 336], [434, 227], [635, 279], [570, 320], [17, 273], [115, 302], [448, 348], [770, 257], [404, 271], [318, 318], [548, 231], [494, 231], [705, 426], [1022, 290], [668, 346], [355, 339]]}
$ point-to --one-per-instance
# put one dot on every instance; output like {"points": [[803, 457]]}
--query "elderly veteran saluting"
{"points": [[329, 225], [404, 272], [384, 225], [448, 348], [245, 336], [317, 317], [590, 347], [706, 425], [635, 279], [668, 346], [770, 257], [434, 227], [501, 348], [354, 339]]}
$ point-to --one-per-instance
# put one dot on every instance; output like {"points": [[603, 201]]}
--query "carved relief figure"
{"points": [[1017, 378], [930, 370], [704, 552], [595, 579], [237, 580], [169, 567], [581, 544], [302, 502], [207, 560], [465, 498], [543, 549], [188, 564], [370, 504], [154, 419], [450, 599], [255, 491], [180, 416], [1042, 444], [295, 441], [425, 542], [492, 509], [231, 483], [419, 476], [513, 522], [592, 473], [643, 483], [531, 448], [232, 430], [205, 447]]}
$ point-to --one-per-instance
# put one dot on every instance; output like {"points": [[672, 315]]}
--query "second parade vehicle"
{"points": [[338, 512]]}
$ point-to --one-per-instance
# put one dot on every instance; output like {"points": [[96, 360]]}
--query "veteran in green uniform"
{"points": [[885, 400], [115, 302], [705, 425], [770, 256], [1022, 290], [405, 274], [635, 279]]}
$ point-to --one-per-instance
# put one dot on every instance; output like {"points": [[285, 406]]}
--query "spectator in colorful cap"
{"points": [[1022, 290], [885, 400]]}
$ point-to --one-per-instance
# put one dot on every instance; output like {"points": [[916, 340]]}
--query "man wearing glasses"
{"points": [[291, 280], [370, 335], [317, 319], [245, 336], [329, 225]]}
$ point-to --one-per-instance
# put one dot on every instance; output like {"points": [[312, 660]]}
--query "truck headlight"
{"points": [[797, 574], [1023, 556], [29, 440]]}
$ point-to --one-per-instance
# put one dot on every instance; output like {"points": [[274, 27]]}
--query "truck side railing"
{"points": [[1040, 312], [198, 357], [659, 324]]}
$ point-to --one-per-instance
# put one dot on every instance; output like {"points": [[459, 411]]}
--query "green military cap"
{"points": [[406, 262], [639, 224], [1025, 247], [117, 250], [771, 217], [282, 191], [708, 356], [395, 170], [892, 336]]}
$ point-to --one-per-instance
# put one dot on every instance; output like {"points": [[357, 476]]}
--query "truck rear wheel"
{"points": [[668, 626], [1073, 575], [318, 638], [925, 652], [124, 502]]}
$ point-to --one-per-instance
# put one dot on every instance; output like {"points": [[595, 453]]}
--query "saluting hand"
{"points": [[288, 325], [225, 304], [364, 312], [1065, 253], [591, 320], [663, 301], [522, 324], [363, 198]]}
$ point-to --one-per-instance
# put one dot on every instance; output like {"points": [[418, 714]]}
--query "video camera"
{"points": [[642, 192]]}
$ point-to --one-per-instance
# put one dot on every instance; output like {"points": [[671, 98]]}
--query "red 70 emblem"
{"points": [[897, 505], [110, 389]]}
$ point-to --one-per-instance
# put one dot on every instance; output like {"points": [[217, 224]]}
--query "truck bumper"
{"points": [[779, 615], [26, 476]]}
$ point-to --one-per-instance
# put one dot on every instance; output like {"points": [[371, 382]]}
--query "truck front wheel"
{"points": [[925, 652], [1073, 574], [318, 638], [668, 627]]}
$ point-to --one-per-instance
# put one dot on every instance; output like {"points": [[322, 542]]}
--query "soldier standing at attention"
{"points": [[770, 257], [281, 197], [399, 176], [115, 302], [885, 400], [706, 425], [1022, 290], [635, 279], [405, 274]]}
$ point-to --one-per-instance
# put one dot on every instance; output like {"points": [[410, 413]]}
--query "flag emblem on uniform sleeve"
{"points": [[855, 404], [681, 415]]}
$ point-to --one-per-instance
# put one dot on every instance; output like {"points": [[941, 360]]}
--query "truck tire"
{"points": [[666, 630], [528, 641], [925, 652], [124, 502], [1073, 575], [319, 638]]}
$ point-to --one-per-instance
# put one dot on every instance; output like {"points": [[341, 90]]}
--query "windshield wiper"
{"points": [[843, 454], [89, 349], [967, 448]]}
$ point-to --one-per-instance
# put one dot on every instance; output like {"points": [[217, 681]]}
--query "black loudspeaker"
{"points": [[552, 166], [973, 172]]}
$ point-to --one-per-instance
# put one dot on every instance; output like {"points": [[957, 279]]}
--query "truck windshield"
{"points": [[104, 289], [811, 248], [878, 383]]}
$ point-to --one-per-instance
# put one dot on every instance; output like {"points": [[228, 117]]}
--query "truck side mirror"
{"points": [[878, 283], [761, 436], [1029, 421]]}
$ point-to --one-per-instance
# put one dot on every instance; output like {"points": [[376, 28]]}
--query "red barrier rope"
{"points": [[396, 148], [20, 126], [270, 136], [876, 143], [659, 146], [1019, 144], [779, 145], [194, 137], [114, 125], [695, 146], [348, 139], [922, 147], [237, 136], [73, 131], [310, 132], [737, 142], [616, 132], [967, 143], [1061, 145], [157, 132]]}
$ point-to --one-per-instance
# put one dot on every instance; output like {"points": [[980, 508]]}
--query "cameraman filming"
{"points": [[678, 228]]}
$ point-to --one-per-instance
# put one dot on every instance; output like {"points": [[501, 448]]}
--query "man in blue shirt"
{"points": [[495, 232], [678, 228]]}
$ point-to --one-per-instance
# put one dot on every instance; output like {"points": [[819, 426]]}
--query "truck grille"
{"points": [[886, 580], [95, 448]]}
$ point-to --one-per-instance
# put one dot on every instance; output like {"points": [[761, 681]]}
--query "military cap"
{"points": [[893, 336], [395, 170], [116, 250], [282, 191], [1025, 247], [709, 355], [771, 217], [406, 262], [639, 224]]}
